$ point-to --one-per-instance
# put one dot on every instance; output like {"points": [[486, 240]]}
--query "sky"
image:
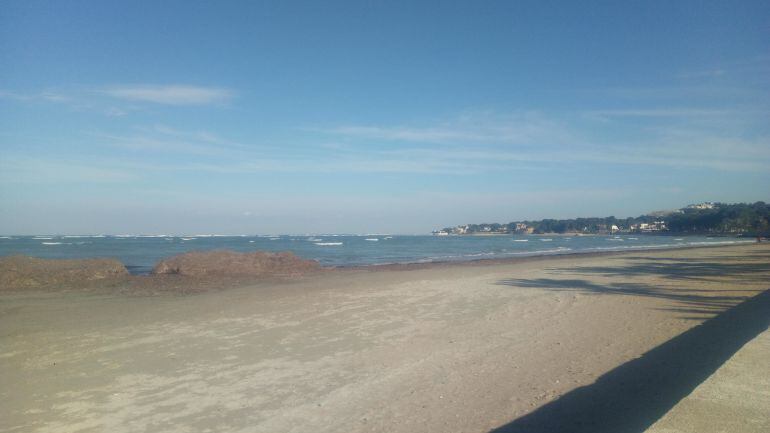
{"points": [[230, 117]]}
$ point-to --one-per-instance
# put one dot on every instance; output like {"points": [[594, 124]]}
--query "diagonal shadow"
{"points": [[634, 395], [692, 299], [681, 269]]}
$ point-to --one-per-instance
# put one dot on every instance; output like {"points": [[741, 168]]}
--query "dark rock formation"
{"points": [[18, 272], [230, 263]]}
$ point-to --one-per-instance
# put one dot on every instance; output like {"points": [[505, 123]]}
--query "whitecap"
{"points": [[551, 251], [328, 244], [479, 254]]}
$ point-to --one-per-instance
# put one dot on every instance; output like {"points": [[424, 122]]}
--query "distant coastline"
{"points": [[528, 234], [708, 218], [667, 233]]}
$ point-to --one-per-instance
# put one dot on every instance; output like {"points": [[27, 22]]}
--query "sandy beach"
{"points": [[570, 343]]}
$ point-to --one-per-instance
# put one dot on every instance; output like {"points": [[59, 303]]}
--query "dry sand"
{"points": [[734, 399], [603, 343]]}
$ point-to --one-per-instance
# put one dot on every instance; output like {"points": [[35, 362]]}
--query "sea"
{"points": [[140, 252]]}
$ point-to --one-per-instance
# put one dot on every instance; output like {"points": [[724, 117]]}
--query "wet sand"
{"points": [[471, 348]]}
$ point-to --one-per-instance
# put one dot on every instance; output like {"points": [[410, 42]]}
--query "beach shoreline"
{"points": [[155, 284], [522, 258], [141, 255], [440, 348]]}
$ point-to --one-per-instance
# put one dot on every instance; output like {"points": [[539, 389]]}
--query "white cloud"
{"points": [[170, 94]]}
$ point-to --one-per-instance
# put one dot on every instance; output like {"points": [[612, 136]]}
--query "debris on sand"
{"points": [[231, 263], [20, 272]]}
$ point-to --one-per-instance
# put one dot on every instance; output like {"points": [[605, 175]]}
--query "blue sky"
{"points": [[400, 117]]}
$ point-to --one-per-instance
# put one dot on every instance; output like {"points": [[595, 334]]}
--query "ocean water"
{"points": [[140, 253]]}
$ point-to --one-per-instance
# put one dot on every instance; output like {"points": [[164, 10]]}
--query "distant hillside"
{"points": [[740, 218], [705, 218]]}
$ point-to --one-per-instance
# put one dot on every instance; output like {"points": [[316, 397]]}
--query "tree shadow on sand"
{"points": [[691, 301], [752, 268], [686, 268], [634, 395]]}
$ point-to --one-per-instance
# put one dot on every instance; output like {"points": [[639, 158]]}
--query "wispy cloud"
{"points": [[161, 139], [170, 94], [706, 73], [429, 135], [73, 100], [115, 112], [534, 141], [466, 145], [199, 136], [657, 112], [48, 96], [204, 151], [723, 93], [524, 127], [21, 169]]}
